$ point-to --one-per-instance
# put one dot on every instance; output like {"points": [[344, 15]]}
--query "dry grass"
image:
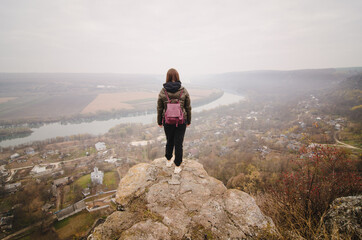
{"points": [[6, 99], [292, 222]]}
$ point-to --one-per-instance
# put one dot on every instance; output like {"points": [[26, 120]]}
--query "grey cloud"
{"points": [[193, 36]]}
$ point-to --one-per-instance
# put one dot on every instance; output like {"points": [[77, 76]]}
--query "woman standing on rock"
{"points": [[171, 94]]}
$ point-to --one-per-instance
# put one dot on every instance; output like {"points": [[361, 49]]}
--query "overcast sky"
{"points": [[193, 36]]}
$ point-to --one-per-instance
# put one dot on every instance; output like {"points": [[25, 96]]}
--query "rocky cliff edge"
{"points": [[191, 205]]}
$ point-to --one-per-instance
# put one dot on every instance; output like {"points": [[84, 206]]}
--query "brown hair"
{"points": [[172, 75]]}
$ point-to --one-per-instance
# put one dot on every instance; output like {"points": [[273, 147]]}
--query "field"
{"points": [[349, 136], [54, 97], [118, 101], [134, 100], [83, 181], [6, 99], [70, 191], [110, 180], [44, 106], [75, 226]]}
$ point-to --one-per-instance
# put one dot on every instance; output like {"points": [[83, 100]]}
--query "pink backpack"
{"points": [[174, 113]]}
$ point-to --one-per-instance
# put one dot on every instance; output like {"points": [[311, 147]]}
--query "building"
{"points": [[15, 155], [30, 151], [42, 170], [38, 169], [71, 210], [62, 181], [97, 176], [6, 222], [47, 206], [111, 160], [3, 171], [86, 192], [12, 187], [100, 146]]}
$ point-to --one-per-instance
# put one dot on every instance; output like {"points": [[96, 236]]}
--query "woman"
{"points": [[175, 133]]}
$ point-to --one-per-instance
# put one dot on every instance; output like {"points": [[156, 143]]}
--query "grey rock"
{"points": [[190, 205], [148, 230], [175, 180], [344, 217], [115, 223]]}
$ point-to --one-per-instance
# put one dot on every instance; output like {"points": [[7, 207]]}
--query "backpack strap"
{"points": [[168, 99], [181, 94]]}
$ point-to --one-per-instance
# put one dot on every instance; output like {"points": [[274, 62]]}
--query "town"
{"points": [[51, 185]]}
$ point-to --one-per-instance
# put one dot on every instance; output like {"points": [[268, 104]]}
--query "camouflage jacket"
{"points": [[185, 103]]}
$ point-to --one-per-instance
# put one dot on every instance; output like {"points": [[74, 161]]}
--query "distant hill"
{"points": [[13, 83], [284, 82], [352, 83], [345, 99]]}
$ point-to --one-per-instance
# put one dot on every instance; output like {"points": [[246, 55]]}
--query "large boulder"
{"points": [[191, 205], [344, 217]]}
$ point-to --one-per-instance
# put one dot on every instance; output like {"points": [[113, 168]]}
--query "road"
{"points": [[25, 229], [342, 144]]}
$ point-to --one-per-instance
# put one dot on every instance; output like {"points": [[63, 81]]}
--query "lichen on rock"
{"points": [[344, 217], [192, 205]]}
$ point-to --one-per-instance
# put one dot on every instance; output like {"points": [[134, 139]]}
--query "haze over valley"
{"points": [[278, 113]]}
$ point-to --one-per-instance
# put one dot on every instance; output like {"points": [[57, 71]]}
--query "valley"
{"points": [[248, 145]]}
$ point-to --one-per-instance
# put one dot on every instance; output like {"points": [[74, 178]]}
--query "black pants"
{"points": [[175, 138]]}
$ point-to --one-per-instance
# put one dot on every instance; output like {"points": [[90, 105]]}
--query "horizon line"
{"points": [[226, 72]]}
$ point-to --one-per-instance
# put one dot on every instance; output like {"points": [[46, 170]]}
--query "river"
{"points": [[53, 130]]}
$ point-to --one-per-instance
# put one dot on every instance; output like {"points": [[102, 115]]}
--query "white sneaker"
{"points": [[168, 163], [177, 170]]}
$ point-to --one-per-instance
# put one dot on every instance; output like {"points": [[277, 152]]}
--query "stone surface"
{"points": [[192, 205], [344, 217], [135, 182], [148, 230]]}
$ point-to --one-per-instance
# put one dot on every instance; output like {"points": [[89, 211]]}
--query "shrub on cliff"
{"points": [[318, 176]]}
